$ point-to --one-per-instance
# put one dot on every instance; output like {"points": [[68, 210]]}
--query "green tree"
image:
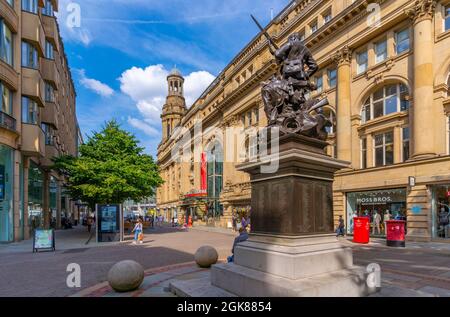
{"points": [[110, 168]]}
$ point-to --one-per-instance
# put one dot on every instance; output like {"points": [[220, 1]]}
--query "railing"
{"points": [[7, 121]]}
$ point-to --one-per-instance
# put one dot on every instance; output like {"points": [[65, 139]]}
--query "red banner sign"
{"points": [[203, 172]]}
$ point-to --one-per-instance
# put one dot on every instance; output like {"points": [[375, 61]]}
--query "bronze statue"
{"points": [[285, 95]]}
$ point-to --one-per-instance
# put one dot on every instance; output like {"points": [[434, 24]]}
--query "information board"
{"points": [[109, 223], [43, 240]]}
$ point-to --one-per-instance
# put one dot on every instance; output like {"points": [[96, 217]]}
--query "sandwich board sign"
{"points": [[43, 240]]}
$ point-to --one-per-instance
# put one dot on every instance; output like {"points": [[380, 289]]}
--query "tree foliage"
{"points": [[110, 168]]}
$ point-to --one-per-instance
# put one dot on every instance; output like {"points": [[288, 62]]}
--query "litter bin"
{"points": [[361, 230], [395, 233]]}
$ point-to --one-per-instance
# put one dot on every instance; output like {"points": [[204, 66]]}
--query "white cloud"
{"points": [[96, 86], [194, 85], [144, 127], [148, 88]]}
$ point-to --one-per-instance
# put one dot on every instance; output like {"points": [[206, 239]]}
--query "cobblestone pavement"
{"points": [[44, 274], [420, 269]]}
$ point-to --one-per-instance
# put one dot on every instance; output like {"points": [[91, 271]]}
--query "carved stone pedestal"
{"points": [[292, 250]]}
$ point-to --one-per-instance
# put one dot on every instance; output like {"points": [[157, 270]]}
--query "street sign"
{"points": [[43, 240]]}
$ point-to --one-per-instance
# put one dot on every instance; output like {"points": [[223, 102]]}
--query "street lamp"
{"points": [[412, 181]]}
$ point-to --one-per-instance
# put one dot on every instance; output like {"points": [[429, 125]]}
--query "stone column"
{"points": [[343, 131], [422, 127]]}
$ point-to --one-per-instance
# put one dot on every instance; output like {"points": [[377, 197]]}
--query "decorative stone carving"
{"points": [[422, 10], [343, 55]]}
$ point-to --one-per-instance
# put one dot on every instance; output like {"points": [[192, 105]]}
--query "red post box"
{"points": [[361, 229], [395, 233]]}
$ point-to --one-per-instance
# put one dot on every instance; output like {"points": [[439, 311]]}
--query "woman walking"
{"points": [[138, 232]]}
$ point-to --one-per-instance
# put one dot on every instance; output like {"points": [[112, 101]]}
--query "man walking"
{"points": [[341, 227]]}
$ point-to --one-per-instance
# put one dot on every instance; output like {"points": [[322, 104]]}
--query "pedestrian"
{"points": [[138, 232], [89, 222], [341, 227], [243, 236]]}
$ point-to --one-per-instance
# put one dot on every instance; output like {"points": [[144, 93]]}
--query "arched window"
{"points": [[215, 179], [388, 99], [448, 85]]}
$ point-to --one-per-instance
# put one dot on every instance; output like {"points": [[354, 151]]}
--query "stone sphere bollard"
{"points": [[206, 256], [126, 276]]}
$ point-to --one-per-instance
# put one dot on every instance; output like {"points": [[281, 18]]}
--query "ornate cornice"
{"points": [[343, 56], [422, 10]]}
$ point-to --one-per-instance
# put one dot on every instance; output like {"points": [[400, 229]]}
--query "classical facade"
{"points": [[37, 118], [384, 67]]}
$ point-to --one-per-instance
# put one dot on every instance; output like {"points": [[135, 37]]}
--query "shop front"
{"points": [[35, 196], [441, 211], [377, 205], [6, 194]]}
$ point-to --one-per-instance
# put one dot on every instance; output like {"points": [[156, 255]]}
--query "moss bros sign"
{"points": [[381, 198]]}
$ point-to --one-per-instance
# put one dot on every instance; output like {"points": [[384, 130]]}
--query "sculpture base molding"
{"points": [[305, 266]]}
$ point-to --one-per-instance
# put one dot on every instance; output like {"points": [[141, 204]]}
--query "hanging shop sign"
{"points": [[43, 240]]}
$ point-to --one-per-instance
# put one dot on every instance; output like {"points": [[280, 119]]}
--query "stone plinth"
{"points": [[292, 250]]}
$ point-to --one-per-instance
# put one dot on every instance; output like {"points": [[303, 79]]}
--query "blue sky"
{"points": [[122, 51]]}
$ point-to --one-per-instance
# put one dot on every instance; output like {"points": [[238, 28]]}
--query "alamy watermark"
{"points": [[229, 145]]}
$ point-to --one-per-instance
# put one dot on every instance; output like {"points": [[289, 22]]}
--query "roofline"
{"points": [[214, 82]]}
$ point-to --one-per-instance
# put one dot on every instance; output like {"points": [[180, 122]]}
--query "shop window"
{"points": [[405, 143], [362, 62], [447, 18], [7, 215], [402, 41], [364, 153], [35, 196], [379, 206], [380, 51], [30, 57], [389, 99], [6, 101], [30, 6], [332, 78], [384, 149], [6, 43], [441, 211]]}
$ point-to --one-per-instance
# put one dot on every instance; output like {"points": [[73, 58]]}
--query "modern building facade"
{"points": [[384, 66], [37, 118]]}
